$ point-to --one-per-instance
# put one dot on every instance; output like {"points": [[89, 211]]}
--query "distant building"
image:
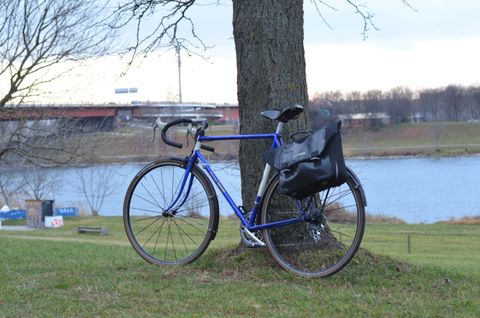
{"points": [[365, 120]]}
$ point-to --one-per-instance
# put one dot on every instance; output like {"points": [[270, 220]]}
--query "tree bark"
{"points": [[271, 74]]}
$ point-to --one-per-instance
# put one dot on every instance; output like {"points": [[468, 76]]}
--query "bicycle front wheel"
{"points": [[164, 226], [328, 238]]}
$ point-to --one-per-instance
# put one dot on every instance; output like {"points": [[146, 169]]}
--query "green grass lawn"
{"points": [[59, 273], [439, 138]]}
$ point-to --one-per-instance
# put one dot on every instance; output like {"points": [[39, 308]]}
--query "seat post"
{"points": [[266, 171], [279, 128]]}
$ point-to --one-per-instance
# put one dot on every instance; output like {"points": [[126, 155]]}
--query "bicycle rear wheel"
{"points": [[165, 232], [328, 238]]}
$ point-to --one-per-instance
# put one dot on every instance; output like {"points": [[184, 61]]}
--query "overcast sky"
{"points": [[432, 45]]}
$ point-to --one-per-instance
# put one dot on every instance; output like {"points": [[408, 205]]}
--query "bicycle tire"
{"points": [[322, 246], [170, 238]]}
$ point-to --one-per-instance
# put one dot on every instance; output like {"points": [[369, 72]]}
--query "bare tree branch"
{"points": [[174, 28], [38, 184], [360, 9], [38, 34], [407, 3], [366, 16], [38, 40], [40, 142]]}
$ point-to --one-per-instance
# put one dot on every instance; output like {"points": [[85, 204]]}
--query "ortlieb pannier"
{"points": [[311, 164]]}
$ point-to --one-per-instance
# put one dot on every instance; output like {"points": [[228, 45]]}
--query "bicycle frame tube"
{"points": [[249, 224]]}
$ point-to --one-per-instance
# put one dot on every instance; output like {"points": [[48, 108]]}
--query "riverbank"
{"points": [[134, 144]]}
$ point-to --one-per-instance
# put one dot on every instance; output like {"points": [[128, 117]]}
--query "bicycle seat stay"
{"points": [[283, 115]]}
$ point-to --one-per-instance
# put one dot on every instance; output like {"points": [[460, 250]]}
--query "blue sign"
{"points": [[13, 215], [66, 211]]}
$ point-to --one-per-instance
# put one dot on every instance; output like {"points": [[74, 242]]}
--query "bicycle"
{"points": [[171, 210]]}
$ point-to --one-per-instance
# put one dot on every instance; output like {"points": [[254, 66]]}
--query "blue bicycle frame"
{"points": [[250, 223]]}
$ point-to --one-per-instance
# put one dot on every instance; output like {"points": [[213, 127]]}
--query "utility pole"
{"points": [[179, 74]]}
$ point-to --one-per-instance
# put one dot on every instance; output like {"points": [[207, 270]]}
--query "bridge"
{"points": [[107, 115]]}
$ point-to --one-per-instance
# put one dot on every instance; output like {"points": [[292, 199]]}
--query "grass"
{"points": [[58, 272], [452, 247], [431, 139]]}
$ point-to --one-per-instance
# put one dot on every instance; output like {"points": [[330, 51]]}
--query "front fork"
{"points": [[187, 180]]}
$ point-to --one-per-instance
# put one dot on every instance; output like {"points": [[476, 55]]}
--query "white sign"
{"points": [[53, 221]]}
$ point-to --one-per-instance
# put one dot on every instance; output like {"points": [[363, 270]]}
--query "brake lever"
{"points": [[191, 131], [158, 124]]}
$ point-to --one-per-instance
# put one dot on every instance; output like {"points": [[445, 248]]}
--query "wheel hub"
{"points": [[316, 216], [169, 214]]}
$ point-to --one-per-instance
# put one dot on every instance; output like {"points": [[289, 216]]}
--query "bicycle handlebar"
{"points": [[204, 125], [170, 124]]}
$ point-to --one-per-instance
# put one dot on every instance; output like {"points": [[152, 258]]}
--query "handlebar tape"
{"points": [[208, 148], [170, 124], [176, 144]]}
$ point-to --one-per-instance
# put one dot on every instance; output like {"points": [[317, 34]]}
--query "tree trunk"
{"points": [[271, 74]]}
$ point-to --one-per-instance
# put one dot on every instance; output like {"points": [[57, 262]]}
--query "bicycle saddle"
{"points": [[283, 115]]}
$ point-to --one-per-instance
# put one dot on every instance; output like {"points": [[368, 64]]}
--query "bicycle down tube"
{"points": [[250, 223]]}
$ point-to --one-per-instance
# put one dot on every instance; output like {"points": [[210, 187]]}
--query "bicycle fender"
{"points": [[358, 185]]}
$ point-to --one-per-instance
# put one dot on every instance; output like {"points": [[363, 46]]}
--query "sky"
{"points": [[431, 44]]}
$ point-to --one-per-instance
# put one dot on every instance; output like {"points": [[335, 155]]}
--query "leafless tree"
{"points": [[473, 94], [430, 104], [400, 103], [39, 40], [373, 105], [10, 187], [355, 102], [40, 183], [96, 184], [453, 97]]}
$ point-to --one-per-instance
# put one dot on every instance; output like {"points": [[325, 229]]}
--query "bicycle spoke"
{"points": [[187, 235], [144, 218], [153, 234], [341, 233], [181, 236], [341, 195], [151, 196], [188, 209], [171, 238], [156, 241], [166, 247], [145, 210], [146, 227], [158, 189], [190, 223], [140, 197]]}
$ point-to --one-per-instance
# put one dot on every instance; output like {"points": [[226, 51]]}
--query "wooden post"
{"points": [[409, 243]]}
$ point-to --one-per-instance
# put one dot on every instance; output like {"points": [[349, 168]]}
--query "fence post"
{"points": [[409, 243]]}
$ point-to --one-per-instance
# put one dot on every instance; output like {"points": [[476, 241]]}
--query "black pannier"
{"points": [[311, 164]]}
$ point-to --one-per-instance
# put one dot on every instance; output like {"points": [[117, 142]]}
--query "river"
{"points": [[417, 190]]}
